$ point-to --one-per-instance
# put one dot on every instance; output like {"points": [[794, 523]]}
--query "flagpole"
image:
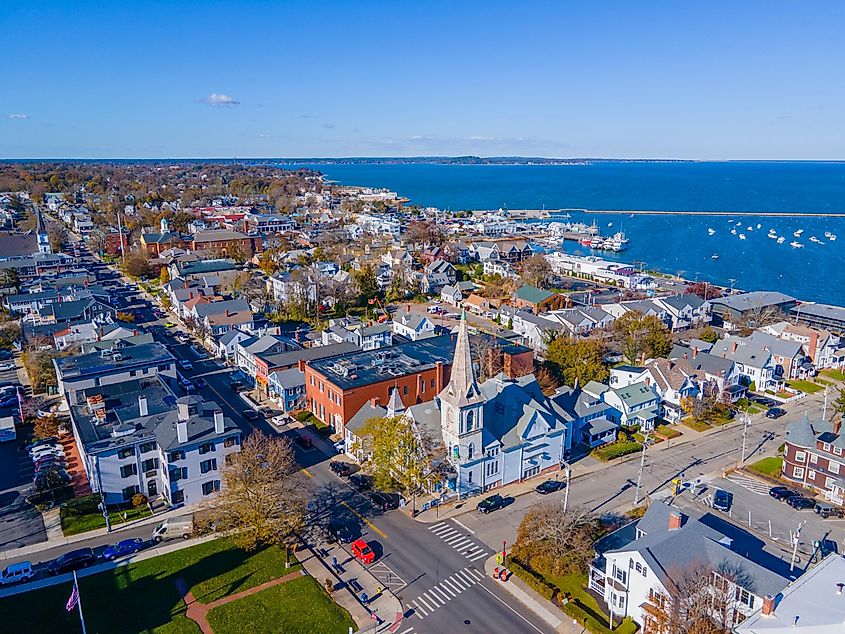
{"points": [[79, 601]]}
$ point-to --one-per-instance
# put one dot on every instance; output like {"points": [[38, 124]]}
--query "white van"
{"points": [[173, 528], [14, 573]]}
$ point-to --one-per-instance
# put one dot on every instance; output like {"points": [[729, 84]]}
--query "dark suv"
{"points": [[73, 560], [800, 503], [782, 494], [490, 504], [828, 510], [775, 412]]}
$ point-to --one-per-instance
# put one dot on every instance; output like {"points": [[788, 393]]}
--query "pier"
{"points": [[651, 212]]}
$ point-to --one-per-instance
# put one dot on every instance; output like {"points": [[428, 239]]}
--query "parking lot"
{"points": [[753, 508], [20, 523]]}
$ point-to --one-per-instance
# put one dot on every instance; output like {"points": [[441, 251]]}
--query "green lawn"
{"points": [[805, 386], [832, 373], [75, 524], [584, 606], [142, 597], [694, 425], [616, 450], [767, 466], [299, 606]]}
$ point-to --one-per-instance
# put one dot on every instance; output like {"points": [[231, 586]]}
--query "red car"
{"points": [[361, 550]]}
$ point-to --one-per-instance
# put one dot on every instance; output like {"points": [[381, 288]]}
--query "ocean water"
{"points": [[672, 244]]}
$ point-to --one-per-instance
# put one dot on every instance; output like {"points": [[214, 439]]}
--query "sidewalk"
{"points": [[351, 580], [543, 608], [55, 537], [586, 466]]}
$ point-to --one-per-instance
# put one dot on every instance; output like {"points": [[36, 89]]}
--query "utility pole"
{"points": [[640, 475], [795, 538], [566, 490], [120, 237], [824, 409], [746, 419]]}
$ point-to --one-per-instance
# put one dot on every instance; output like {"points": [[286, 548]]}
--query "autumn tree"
{"points": [[576, 359], [709, 335], [704, 290], [164, 276], [125, 316], [839, 403], [365, 280], [397, 454], [57, 235], [261, 501], [548, 380], [639, 335], [46, 427], [552, 541], [39, 367], [536, 270], [137, 265]]}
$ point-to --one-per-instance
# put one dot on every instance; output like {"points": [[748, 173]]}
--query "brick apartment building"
{"points": [[335, 389], [814, 456]]}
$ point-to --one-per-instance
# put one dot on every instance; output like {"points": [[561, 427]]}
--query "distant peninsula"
{"points": [[461, 160]]}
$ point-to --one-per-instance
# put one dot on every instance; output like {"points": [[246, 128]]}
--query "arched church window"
{"points": [[470, 420]]}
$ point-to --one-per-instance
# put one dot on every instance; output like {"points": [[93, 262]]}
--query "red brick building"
{"points": [[335, 389], [814, 457]]}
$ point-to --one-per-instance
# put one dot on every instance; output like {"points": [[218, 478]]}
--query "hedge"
{"points": [[542, 587], [666, 431], [616, 450]]}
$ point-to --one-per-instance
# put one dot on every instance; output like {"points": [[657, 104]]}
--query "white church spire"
{"points": [[462, 388]]}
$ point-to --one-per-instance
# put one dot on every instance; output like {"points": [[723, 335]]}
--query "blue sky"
{"points": [[705, 80]]}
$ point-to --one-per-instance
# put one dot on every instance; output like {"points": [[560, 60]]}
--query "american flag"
{"points": [[73, 599]]}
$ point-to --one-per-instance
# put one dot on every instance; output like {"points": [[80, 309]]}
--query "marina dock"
{"points": [[651, 212]]}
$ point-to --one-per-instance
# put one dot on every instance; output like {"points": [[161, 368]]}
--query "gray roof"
{"points": [[806, 432], [367, 411], [217, 308], [576, 403], [707, 363], [777, 346], [635, 394], [825, 311], [708, 540], [147, 354], [315, 353], [680, 302], [290, 378], [754, 300], [744, 353]]}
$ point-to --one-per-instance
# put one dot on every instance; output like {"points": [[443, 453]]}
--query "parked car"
{"points": [[340, 446], [14, 573], [172, 528], [361, 550], [782, 494], [73, 560], [385, 501], [236, 385], [45, 447], [361, 482], [185, 364], [123, 547], [775, 412], [43, 466], [281, 419], [722, 500], [549, 486], [251, 414], [200, 383], [169, 324], [343, 469], [5, 355], [764, 401], [828, 510], [49, 450], [340, 530], [490, 504], [52, 440], [51, 475], [801, 503]]}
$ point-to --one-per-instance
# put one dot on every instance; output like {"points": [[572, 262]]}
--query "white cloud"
{"points": [[481, 138], [17, 115], [219, 99]]}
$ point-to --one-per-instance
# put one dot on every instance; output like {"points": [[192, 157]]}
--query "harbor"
{"points": [[656, 212]]}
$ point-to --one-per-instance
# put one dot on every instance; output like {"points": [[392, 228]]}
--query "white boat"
{"points": [[733, 231], [796, 245], [827, 234], [715, 256], [711, 231], [798, 233], [619, 242], [759, 226], [816, 240], [738, 223], [742, 236], [750, 228], [781, 240], [832, 237], [609, 224], [773, 236]]}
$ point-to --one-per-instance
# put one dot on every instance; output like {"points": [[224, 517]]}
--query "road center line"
{"points": [[365, 520]]}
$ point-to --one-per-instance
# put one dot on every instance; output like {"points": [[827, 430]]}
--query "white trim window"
{"points": [[800, 456], [798, 472]]}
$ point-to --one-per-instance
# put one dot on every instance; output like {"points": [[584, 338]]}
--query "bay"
{"points": [[673, 244]]}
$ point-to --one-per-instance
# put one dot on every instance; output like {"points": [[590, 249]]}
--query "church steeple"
{"points": [[41, 237], [394, 405], [462, 388]]}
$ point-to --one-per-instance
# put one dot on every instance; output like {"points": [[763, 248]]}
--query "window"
{"points": [[800, 456], [798, 472], [811, 475], [470, 451], [813, 458], [176, 455], [133, 372], [178, 497], [469, 477], [825, 446], [470, 420], [322, 385], [422, 386], [210, 487], [645, 571], [620, 574], [179, 473], [125, 453], [229, 442], [745, 597], [128, 492], [206, 447], [208, 465], [147, 447], [639, 567], [128, 470], [833, 467], [837, 451], [432, 384], [829, 483], [150, 464]]}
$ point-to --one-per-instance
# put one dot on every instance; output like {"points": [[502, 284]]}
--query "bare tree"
{"points": [[551, 540], [262, 499]]}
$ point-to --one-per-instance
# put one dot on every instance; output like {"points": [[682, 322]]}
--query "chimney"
{"points": [[839, 587], [183, 410], [837, 424], [676, 520], [768, 608], [374, 401], [143, 410], [182, 431], [671, 364], [409, 308], [218, 421], [733, 347], [685, 356], [694, 352]]}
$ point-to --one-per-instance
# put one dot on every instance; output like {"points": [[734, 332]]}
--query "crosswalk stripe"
{"points": [[475, 572], [443, 530], [418, 609], [480, 555], [450, 583], [470, 550], [426, 603], [464, 575], [410, 629], [431, 528], [437, 601], [459, 545], [445, 587], [455, 539], [439, 592]]}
